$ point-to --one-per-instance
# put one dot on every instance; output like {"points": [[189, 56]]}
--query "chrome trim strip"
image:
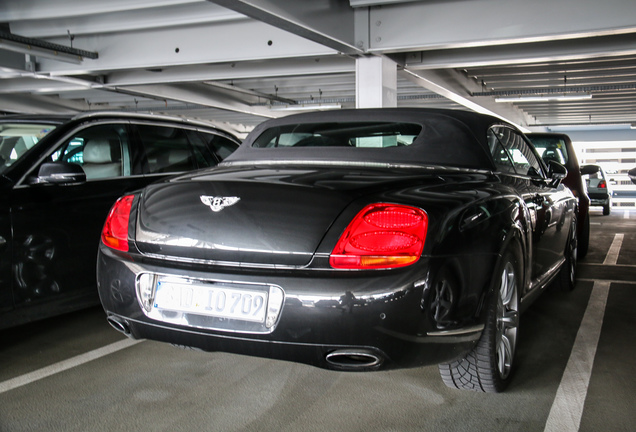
{"points": [[220, 263], [361, 164], [457, 332], [465, 334]]}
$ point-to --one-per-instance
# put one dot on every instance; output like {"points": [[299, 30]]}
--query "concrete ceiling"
{"points": [[237, 62]]}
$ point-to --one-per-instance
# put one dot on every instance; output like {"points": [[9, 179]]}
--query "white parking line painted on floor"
{"points": [[65, 365], [567, 408], [612, 255], [626, 214]]}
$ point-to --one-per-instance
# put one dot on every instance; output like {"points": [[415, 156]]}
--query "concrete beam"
{"points": [[198, 94], [40, 104], [472, 23], [225, 42], [326, 22], [559, 50], [457, 88]]}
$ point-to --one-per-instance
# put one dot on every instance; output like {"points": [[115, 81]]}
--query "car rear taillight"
{"points": [[115, 231], [602, 184], [381, 236]]}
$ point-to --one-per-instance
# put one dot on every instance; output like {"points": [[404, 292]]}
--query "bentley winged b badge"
{"points": [[217, 203]]}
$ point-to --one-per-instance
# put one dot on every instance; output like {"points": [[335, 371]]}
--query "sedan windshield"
{"points": [[551, 149], [17, 138]]}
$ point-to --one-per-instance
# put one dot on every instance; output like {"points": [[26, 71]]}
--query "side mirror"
{"points": [[589, 169], [60, 173], [632, 175], [556, 173]]}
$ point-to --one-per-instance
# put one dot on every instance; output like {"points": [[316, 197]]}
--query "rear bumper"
{"points": [[599, 199], [347, 323], [392, 352]]}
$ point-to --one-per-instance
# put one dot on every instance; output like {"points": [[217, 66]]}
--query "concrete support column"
{"points": [[376, 82]]}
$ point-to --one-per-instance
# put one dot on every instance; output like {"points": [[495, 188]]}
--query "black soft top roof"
{"points": [[448, 138]]}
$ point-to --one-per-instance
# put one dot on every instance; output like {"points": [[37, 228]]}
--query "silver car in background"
{"points": [[598, 187]]}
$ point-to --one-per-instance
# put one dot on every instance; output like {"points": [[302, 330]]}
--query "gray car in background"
{"points": [[598, 187]]}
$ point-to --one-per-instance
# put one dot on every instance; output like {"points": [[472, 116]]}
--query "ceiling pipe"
{"points": [[38, 47]]}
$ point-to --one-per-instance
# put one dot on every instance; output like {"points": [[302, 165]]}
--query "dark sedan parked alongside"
{"points": [[351, 240], [559, 148], [59, 176]]}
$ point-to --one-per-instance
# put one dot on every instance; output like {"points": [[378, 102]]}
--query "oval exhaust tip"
{"points": [[118, 325], [354, 359]]}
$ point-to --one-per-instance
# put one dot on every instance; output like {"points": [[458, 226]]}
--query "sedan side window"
{"points": [[102, 151], [221, 146], [209, 148], [171, 149], [167, 149]]}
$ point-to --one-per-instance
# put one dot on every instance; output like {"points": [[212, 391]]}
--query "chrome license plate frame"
{"points": [[211, 299], [229, 306]]}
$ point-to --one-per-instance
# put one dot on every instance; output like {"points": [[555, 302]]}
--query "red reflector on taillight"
{"points": [[602, 184], [383, 241], [392, 218], [115, 232], [381, 236]]}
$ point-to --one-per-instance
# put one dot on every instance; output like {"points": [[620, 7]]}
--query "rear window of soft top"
{"points": [[357, 135]]}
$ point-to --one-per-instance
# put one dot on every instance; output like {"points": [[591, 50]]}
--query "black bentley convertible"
{"points": [[350, 240]]}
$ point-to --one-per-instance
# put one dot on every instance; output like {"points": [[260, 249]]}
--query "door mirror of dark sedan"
{"points": [[556, 172], [589, 169], [632, 175], [60, 173]]}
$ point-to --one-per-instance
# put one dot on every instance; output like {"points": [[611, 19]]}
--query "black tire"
{"points": [[607, 209], [488, 367], [566, 278], [584, 238]]}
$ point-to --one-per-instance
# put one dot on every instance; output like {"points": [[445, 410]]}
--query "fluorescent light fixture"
{"points": [[588, 127], [305, 107], [545, 98]]}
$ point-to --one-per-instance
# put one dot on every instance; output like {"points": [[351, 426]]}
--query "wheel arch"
{"points": [[516, 243]]}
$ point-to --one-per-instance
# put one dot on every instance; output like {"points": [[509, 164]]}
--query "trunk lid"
{"points": [[250, 216]]}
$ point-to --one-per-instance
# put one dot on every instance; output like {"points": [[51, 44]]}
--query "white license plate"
{"points": [[211, 300]]}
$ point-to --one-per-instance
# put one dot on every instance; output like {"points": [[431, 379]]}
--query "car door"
{"points": [[56, 227], [6, 295], [545, 202]]}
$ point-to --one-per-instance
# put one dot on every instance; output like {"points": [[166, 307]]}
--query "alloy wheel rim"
{"points": [[573, 256], [442, 302], [507, 320]]}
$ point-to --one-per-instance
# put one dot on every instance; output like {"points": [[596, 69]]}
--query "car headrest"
{"points": [[100, 151]]}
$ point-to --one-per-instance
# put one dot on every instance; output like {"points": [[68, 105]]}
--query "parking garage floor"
{"points": [[575, 372]]}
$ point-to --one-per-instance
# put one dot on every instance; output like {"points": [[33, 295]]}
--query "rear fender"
{"points": [[472, 253], [516, 240]]}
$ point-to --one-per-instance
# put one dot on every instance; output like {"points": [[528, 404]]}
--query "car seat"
{"points": [[102, 159]]}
